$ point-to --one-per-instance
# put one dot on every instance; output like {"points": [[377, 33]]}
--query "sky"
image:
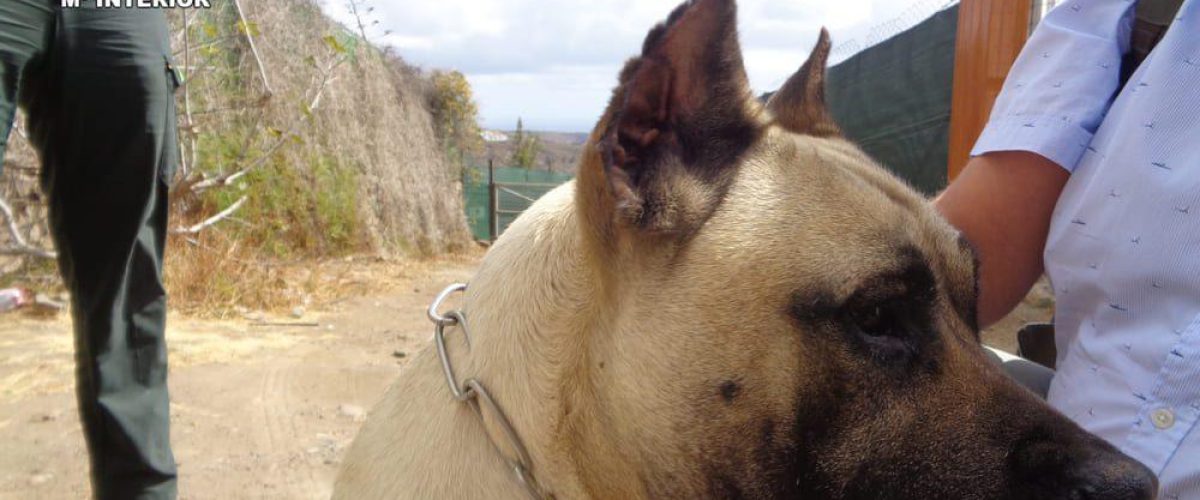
{"points": [[553, 63]]}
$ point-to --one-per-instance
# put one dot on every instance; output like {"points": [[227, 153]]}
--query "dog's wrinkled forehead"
{"points": [[820, 218]]}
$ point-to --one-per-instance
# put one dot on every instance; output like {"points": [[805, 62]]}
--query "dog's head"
{"points": [[782, 318]]}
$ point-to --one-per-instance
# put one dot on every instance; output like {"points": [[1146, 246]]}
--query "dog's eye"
{"points": [[878, 320], [883, 330]]}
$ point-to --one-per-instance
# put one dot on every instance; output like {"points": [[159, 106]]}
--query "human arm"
{"points": [[1002, 202], [1053, 101]]}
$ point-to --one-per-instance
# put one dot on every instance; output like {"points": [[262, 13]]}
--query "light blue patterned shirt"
{"points": [[1123, 252]]}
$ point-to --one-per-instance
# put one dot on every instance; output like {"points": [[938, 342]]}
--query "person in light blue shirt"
{"points": [[1096, 180]]}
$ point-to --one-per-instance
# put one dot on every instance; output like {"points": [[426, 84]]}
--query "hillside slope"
{"points": [[341, 156], [371, 116]]}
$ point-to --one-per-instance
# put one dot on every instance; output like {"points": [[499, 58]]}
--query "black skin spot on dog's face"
{"points": [[875, 344], [730, 391]]}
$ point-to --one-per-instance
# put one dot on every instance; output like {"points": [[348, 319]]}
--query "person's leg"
{"points": [[26, 27], [106, 134]]}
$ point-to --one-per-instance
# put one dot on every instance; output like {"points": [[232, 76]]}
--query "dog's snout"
{"points": [[1117, 477], [1091, 470]]}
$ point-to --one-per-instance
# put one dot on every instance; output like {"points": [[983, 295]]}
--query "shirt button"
{"points": [[1163, 418]]}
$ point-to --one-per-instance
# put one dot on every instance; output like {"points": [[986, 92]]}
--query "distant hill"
{"points": [[559, 153], [574, 138]]}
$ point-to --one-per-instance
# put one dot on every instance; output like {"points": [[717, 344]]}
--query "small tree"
{"points": [[456, 113], [525, 148], [518, 136]]}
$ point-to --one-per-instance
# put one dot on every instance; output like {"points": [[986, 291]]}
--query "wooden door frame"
{"points": [[990, 35]]}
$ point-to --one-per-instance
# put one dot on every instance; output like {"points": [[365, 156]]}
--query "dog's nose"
{"points": [[1092, 470], [1115, 476]]}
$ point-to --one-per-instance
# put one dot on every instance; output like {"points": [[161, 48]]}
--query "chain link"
{"points": [[473, 393]]}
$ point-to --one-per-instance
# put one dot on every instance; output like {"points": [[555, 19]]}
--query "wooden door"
{"points": [[990, 35]]}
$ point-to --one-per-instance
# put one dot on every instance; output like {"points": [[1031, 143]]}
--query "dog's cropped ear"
{"points": [[799, 105], [677, 124]]}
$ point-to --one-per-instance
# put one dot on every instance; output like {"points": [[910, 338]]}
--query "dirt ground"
{"points": [[256, 411]]}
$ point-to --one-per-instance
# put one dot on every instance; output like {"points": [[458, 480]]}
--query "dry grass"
{"points": [[214, 277]]}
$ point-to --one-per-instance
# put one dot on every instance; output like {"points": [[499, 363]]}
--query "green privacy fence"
{"points": [[893, 100], [513, 190]]}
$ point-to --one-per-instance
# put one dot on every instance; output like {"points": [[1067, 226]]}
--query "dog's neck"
{"points": [[529, 310]]}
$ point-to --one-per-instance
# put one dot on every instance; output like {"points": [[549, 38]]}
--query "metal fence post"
{"points": [[493, 203]]}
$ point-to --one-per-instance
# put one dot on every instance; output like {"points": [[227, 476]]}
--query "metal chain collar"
{"points": [[472, 393]]}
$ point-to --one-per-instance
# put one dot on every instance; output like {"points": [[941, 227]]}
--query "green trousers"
{"points": [[98, 90]]}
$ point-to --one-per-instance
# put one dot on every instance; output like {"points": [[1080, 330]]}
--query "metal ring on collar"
{"points": [[433, 313], [460, 392]]}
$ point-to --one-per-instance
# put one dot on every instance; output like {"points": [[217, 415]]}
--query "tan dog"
{"points": [[730, 301]]}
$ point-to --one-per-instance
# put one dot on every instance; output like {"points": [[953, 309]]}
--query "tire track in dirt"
{"points": [[281, 442]]}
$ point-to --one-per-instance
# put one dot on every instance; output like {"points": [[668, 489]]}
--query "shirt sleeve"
{"points": [[1062, 83]]}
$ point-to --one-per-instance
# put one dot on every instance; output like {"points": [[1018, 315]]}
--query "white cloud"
{"points": [[554, 63]]}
